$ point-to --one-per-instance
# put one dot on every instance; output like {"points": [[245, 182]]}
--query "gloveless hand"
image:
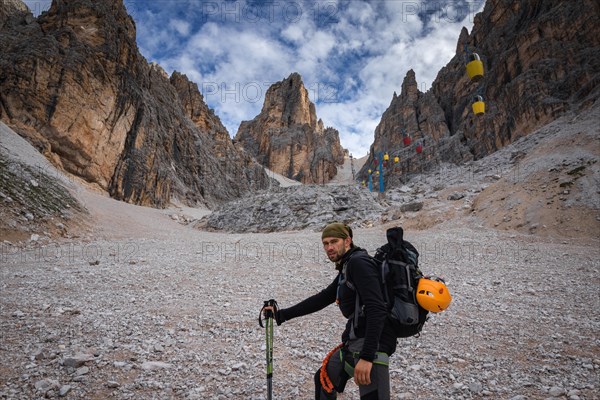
{"points": [[362, 372]]}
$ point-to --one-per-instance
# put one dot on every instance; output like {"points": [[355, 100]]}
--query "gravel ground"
{"points": [[142, 306], [175, 316]]}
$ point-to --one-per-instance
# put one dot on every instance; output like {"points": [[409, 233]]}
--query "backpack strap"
{"points": [[385, 268], [355, 315], [355, 319]]}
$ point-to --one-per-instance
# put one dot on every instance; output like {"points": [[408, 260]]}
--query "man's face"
{"points": [[336, 247]]}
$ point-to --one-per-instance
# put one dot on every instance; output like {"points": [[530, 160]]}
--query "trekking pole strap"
{"points": [[267, 314]]}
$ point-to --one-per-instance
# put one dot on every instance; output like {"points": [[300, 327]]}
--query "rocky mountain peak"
{"points": [[540, 59], [94, 23], [75, 85], [462, 39], [410, 91], [288, 138], [288, 102]]}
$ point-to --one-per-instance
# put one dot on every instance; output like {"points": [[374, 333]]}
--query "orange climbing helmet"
{"points": [[433, 294]]}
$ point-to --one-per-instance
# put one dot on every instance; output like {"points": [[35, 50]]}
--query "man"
{"points": [[366, 346]]}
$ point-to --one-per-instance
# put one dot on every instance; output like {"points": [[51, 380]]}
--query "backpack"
{"points": [[398, 260]]}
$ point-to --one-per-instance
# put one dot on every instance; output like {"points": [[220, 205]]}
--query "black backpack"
{"points": [[400, 274]]}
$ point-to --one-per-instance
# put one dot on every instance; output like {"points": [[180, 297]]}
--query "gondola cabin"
{"points": [[475, 67], [478, 105]]}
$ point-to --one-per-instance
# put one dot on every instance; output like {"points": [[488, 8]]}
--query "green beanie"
{"points": [[338, 230]]}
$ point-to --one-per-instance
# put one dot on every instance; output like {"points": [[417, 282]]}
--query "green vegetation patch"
{"points": [[33, 190]]}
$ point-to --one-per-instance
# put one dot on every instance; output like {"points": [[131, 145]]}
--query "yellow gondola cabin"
{"points": [[475, 67], [478, 105]]}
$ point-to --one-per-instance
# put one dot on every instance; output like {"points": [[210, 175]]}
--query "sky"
{"points": [[352, 54]]}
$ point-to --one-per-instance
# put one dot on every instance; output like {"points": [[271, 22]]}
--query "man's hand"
{"points": [[268, 308], [274, 312], [362, 372]]}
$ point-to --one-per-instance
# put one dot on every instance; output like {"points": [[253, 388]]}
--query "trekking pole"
{"points": [[269, 315]]}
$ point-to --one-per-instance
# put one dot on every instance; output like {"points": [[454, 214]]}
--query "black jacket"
{"points": [[363, 274]]}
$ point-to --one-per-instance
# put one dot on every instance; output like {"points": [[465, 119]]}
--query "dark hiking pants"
{"points": [[340, 367]]}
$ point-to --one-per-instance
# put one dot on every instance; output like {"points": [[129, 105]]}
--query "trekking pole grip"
{"points": [[267, 313]]}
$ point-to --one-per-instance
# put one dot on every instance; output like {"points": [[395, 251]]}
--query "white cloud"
{"points": [[316, 49], [294, 33], [383, 74], [244, 65], [360, 13], [180, 26]]}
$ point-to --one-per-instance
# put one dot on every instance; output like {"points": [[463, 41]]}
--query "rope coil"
{"points": [[325, 381]]}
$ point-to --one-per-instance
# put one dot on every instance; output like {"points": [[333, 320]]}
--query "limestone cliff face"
{"points": [[287, 137], [541, 58], [417, 116], [203, 117], [74, 84]]}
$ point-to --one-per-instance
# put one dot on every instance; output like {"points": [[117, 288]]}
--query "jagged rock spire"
{"points": [[288, 138]]}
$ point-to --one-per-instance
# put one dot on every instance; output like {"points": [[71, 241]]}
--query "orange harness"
{"points": [[325, 381]]}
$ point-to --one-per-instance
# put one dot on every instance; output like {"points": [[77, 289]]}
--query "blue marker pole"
{"points": [[381, 172], [370, 182]]}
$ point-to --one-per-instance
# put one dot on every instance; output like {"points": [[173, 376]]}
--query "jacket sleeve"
{"points": [[365, 276], [312, 304]]}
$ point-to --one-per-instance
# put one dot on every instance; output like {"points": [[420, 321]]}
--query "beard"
{"points": [[335, 257]]}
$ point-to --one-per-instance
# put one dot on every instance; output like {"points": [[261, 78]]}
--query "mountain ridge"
{"points": [[541, 59], [75, 85]]}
